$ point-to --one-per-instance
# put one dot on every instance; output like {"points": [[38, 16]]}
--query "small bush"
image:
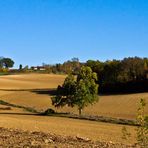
{"points": [[49, 111], [125, 134]]}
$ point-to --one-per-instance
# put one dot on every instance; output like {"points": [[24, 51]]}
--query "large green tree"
{"points": [[7, 62], [80, 90]]}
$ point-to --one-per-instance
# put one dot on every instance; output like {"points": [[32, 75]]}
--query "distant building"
{"points": [[38, 68]]}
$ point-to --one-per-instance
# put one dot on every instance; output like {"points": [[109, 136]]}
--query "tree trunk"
{"points": [[80, 111]]}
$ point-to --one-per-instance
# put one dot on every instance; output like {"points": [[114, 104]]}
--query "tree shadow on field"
{"points": [[42, 91], [49, 92], [9, 113]]}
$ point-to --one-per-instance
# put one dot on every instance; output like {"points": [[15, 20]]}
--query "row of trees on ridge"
{"points": [[127, 75]]}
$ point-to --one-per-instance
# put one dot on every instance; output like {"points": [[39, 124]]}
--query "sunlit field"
{"points": [[21, 89], [24, 90]]}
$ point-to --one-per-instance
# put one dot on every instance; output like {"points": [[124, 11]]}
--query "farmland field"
{"points": [[31, 90]]}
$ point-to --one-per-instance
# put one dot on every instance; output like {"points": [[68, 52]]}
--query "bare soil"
{"points": [[29, 139]]}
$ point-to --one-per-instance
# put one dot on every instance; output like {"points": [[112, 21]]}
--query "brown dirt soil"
{"points": [[28, 139], [66, 127]]}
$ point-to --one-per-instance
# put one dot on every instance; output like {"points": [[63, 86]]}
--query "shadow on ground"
{"points": [[49, 92], [9, 113], [44, 91]]}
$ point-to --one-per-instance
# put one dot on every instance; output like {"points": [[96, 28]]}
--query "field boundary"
{"points": [[95, 118], [74, 116], [29, 109]]}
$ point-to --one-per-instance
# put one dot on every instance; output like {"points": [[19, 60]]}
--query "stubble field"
{"points": [[31, 90]]}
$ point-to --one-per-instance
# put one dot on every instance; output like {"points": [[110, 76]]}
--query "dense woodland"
{"points": [[114, 76], [127, 75]]}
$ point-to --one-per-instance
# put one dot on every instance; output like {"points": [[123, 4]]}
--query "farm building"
{"points": [[38, 68]]}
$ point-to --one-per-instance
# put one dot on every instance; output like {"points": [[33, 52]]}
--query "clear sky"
{"points": [[53, 31]]}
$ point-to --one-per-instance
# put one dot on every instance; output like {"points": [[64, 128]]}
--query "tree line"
{"points": [[127, 75], [114, 76], [70, 66]]}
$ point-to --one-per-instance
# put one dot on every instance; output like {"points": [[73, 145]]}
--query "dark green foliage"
{"points": [[77, 91], [6, 62], [86, 88], [20, 67], [127, 75], [132, 69], [65, 93], [49, 111]]}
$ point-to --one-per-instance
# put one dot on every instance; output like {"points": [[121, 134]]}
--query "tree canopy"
{"points": [[80, 90], [6, 63], [127, 75]]}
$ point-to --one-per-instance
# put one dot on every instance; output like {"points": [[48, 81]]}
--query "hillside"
{"points": [[34, 90]]}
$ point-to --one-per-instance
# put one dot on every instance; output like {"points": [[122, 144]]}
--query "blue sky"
{"points": [[53, 31]]}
